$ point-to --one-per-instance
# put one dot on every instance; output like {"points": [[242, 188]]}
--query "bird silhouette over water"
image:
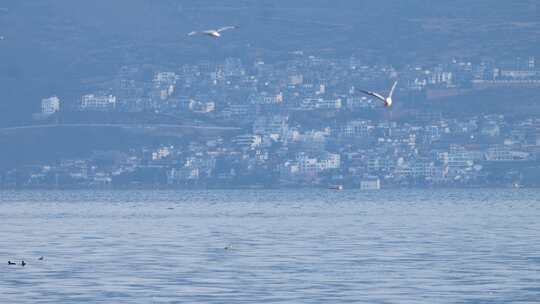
{"points": [[23, 263], [41, 258], [11, 263]]}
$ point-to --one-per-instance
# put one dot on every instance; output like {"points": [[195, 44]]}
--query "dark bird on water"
{"points": [[41, 258], [23, 263], [11, 263]]}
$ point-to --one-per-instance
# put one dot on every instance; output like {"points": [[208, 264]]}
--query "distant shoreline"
{"points": [[264, 188]]}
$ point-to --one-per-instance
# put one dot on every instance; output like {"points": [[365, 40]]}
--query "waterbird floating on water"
{"points": [[23, 263], [387, 100], [213, 33], [41, 258], [11, 263]]}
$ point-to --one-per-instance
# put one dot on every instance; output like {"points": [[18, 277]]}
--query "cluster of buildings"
{"points": [[304, 123], [303, 83]]}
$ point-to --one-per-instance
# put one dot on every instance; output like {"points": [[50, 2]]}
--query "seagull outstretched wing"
{"points": [[392, 90], [225, 28], [374, 94], [193, 33]]}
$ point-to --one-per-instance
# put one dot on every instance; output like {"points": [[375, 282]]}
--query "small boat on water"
{"points": [[336, 187]]}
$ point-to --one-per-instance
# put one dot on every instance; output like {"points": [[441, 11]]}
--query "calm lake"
{"points": [[271, 246]]}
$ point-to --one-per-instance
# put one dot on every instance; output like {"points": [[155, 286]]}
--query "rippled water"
{"points": [[466, 246]]}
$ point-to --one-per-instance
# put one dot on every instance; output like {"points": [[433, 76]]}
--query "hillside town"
{"points": [[303, 123]]}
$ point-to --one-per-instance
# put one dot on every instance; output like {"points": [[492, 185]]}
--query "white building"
{"points": [[93, 102], [165, 79], [202, 107], [248, 140], [266, 99], [328, 103], [330, 161], [498, 153], [162, 152], [273, 125], [164, 85], [296, 79], [308, 165], [370, 183], [50, 105]]}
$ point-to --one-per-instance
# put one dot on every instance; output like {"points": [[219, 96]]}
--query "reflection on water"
{"points": [[466, 246]]}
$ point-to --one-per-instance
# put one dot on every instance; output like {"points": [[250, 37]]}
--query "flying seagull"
{"points": [[213, 33], [387, 100]]}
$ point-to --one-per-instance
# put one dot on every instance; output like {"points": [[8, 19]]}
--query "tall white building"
{"points": [[93, 102], [50, 105]]}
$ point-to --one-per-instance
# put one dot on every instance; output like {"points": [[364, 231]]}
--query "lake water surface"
{"points": [[303, 246]]}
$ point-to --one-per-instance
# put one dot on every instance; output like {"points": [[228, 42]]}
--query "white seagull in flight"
{"points": [[387, 100], [213, 33]]}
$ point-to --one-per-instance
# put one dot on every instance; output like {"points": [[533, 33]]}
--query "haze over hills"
{"points": [[116, 93], [51, 47]]}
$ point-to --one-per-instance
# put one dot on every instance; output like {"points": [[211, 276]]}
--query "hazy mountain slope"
{"points": [[52, 45]]}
